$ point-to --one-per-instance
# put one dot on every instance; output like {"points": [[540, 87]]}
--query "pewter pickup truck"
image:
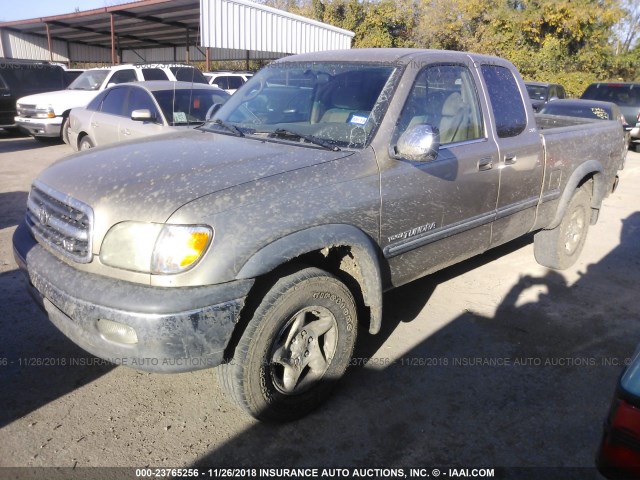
{"points": [[261, 243]]}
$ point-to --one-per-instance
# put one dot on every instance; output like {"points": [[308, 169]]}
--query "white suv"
{"points": [[46, 114], [228, 81]]}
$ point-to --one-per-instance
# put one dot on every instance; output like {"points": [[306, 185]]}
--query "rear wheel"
{"points": [[560, 247], [295, 347]]}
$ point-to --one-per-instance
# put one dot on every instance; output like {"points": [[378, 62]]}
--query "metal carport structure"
{"points": [[169, 30]]}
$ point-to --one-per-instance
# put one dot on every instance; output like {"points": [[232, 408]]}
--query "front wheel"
{"points": [[295, 347], [85, 143], [560, 247]]}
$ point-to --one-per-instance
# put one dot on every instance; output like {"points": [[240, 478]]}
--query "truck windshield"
{"points": [[89, 80], [326, 104]]}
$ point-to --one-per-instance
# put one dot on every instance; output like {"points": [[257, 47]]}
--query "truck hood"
{"points": [[150, 179], [61, 100]]}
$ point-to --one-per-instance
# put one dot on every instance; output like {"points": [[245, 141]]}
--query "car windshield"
{"points": [[582, 111], [537, 92], [335, 104], [188, 106], [89, 80]]}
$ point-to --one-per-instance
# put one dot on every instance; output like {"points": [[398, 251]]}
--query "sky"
{"points": [[22, 9]]}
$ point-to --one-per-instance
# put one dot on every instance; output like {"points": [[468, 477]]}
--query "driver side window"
{"points": [[444, 97]]}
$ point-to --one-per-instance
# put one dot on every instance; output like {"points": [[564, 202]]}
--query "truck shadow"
{"points": [[484, 390], [12, 208], [38, 364]]}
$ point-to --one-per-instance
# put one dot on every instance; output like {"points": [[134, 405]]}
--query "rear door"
{"points": [[435, 213], [104, 124], [521, 159]]}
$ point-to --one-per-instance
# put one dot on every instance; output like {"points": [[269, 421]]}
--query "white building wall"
{"points": [[32, 47], [35, 47], [244, 25]]}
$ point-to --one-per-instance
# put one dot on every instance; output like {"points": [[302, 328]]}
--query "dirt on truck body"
{"points": [[261, 243]]}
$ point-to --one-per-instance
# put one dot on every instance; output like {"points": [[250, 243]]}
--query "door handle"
{"points": [[125, 131], [485, 164], [510, 160], [94, 124]]}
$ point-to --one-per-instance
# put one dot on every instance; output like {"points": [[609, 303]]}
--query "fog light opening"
{"points": [[117, 332]]}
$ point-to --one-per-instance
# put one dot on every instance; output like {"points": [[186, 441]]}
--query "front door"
{"points": [[439, 212]]}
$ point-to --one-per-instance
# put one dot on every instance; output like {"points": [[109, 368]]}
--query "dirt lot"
{"points": [[496, 362]]}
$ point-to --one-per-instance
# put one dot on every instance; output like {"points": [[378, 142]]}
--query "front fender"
{"points": [[364, 250]]}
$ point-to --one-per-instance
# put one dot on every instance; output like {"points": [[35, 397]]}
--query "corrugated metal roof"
{"points": [[142, 24], [244, 29]]}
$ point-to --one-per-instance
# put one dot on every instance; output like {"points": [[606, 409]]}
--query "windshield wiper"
{"points": [[229, 126], [283, 132]]}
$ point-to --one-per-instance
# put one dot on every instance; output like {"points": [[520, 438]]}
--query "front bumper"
{"points": [[177, 329], [73, 139], [40, 127]]}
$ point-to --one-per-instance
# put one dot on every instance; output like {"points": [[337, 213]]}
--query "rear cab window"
{"points": [[188, 74], [622, 94], [154, 74], [507, 104]]}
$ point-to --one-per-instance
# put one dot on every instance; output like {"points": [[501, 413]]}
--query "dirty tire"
{"points": [[85, 143], [559, 248], [295, 347]]}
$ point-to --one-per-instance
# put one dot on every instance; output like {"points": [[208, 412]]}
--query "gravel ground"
{"points": [[495, 362]]}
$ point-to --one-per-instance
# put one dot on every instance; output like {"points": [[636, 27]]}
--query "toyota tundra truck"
{"points": [[261, 243]]}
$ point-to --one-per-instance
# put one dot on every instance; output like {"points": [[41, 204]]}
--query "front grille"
{"points": [[26, 110], [60, 222]]}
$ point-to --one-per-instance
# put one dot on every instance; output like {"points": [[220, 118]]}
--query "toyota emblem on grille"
{"points": [[43, 215]]}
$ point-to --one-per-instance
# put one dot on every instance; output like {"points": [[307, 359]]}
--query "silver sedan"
{"points": [[134, 110]]}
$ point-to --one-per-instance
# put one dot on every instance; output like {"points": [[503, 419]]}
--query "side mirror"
{"points": [[143, 115], [419, 143]]}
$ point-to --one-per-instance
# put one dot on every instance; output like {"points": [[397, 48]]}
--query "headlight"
{"points": [[45, 111], [179, 247], [154, 247]]}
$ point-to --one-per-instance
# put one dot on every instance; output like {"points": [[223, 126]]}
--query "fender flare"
{"points": [[588, 168], [364, 250]]}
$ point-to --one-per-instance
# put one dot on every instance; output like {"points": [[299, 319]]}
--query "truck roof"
{"points": [[381, 55]]}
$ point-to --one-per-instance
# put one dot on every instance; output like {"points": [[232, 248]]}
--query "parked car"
{"points": [[135, 110], [45, 115], [618, 456], [261, 243], [624, 94], [24, 77], [228, 81], [541, 93], [589, 109]]}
